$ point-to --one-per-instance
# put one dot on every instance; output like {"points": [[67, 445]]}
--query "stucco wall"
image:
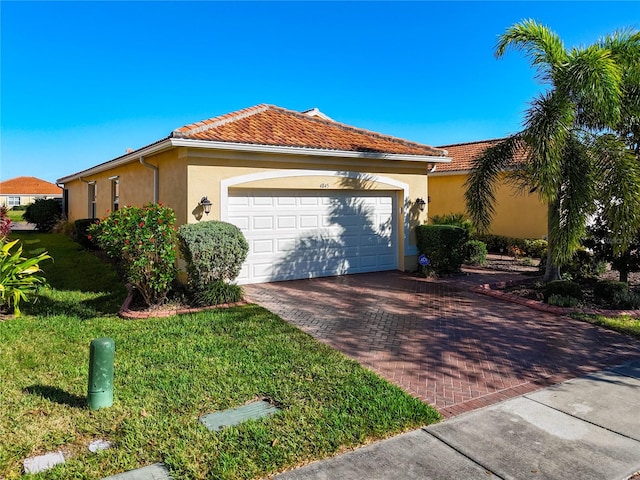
{"points": [[517, 215], [136, 186], [206, 178], [186, 175]]}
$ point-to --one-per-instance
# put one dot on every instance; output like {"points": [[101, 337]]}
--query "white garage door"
{"points": [[305, 234]]}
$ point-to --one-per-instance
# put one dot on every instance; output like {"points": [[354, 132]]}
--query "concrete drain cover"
{"points": [[227, 418], [157, 471]]}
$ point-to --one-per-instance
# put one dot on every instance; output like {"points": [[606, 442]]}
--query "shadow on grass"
{"points": [[84, 309], [56, 395]]}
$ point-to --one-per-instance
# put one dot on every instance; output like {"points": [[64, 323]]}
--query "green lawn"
{"points": [[15, 215], [168, 373], [623, 324]]}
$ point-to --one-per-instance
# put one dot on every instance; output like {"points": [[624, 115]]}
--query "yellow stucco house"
{"points": [[313, 197], [517, 215]]}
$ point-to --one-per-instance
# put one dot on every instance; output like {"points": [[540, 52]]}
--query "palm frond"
{"points": [[619, 181], [480, 194], [542, 46], [548, 125], [575, 200]]}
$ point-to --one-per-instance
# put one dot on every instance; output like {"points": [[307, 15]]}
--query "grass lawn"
{"points": [[623, 324], [15, 215], [170, 371]]}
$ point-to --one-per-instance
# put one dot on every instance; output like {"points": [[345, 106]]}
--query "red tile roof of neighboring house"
{"points": [[276, 126], [463, 154], [28, 186]]}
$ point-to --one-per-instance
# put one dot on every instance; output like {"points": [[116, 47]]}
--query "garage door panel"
{"points": [[287, 222], [303, 234], [262, 201], [241, 222], [262, 246]]}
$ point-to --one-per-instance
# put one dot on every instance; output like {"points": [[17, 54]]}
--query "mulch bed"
{"points": [[529, 292]]}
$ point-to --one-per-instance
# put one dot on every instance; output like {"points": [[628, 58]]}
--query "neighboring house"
{"points": [[313, 197], [518, 214], [26, 190]]}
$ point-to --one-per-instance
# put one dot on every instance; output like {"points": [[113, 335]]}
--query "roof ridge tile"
{"points": [[204, 125]]}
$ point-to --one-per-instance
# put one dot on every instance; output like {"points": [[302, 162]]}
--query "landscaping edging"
{"points": [[126, 312], [495, 290]]}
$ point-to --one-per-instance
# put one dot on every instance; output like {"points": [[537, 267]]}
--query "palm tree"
{"points": [[566, 151]]}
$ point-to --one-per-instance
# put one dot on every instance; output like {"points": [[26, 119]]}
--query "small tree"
{"points": [[44, 214], [143, 239]]}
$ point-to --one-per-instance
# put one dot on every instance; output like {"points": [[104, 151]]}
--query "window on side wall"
{"points": [[13, 202], [115, 193], [93, 191]]}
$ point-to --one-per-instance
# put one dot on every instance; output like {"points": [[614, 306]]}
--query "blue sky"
{"points": [[83, 81]]}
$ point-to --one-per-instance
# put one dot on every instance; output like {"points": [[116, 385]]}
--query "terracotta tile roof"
{"points": [[276, 126], [463, 154], [28, 186]]}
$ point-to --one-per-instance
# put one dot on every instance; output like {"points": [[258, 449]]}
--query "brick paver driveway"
{"points": [[452, 348]]}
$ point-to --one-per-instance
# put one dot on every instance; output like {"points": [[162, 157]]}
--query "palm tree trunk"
{"points": [[551, 271]]}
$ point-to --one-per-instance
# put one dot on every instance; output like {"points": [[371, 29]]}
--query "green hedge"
{"points": [[81, 233], [500, 244], [213, 251], [444, 245], [562, 288]]}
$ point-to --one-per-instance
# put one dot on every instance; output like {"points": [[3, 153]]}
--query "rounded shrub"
{"points": [[626, 300], [444, 246], [476, 252], [44, 214], [536, 248], [563, 288], [213, 250], [607, 289]]}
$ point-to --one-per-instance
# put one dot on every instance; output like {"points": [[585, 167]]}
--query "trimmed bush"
{"points": [[143, 239], [563, 288], [444, 246], [562, 301], [476, 252], [218, 292], [81, 233], [535, 248], [607, 289], [44, 214], [626, 299], [213, 250]]}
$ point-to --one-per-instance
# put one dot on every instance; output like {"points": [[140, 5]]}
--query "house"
{"points": [[26, 190], [313, 197], [518, 214]]}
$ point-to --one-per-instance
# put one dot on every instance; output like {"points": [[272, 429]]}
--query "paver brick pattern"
{"points": [[452, 348]]}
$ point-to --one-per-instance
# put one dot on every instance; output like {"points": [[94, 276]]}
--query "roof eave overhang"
{"points": [[287, 150], [249, 148]]}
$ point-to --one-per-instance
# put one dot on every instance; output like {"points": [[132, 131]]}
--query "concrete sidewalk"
{"points": [[584, 428]]}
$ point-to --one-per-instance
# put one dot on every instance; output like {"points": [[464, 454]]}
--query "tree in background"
{"points": [[44, 214], [567, 151]]}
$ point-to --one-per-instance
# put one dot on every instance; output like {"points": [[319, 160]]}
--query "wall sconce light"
{"points": [[421, 203], [205, 203]]}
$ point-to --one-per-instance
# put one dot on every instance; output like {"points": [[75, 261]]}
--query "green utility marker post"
{"points": [[101, 356]]}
